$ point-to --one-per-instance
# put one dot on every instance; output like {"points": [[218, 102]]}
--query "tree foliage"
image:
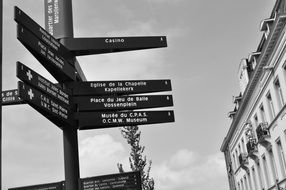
{"points": [[137, 161]]}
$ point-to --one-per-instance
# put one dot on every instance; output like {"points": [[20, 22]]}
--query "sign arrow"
{"points": [[100, 103], [58, 113], [96, 120], [119, 87], [88, 46], [42, 84]]}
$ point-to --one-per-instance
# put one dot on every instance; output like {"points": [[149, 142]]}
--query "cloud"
{"points": [[100, 154], [187, 170]]}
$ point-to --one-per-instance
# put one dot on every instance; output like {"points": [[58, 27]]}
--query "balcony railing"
{"points": [[243, 161], [263, 134], [262, 131], [251, 147]]}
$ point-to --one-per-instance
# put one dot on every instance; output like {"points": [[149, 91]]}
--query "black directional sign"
{"points": [[49, 186], [122, 181], [11, 97], [96, 103], [95, 120], [88, 46], [28, 23], [55, 64], [120, 87], [61, 51], [42, 84], [56, 112]]}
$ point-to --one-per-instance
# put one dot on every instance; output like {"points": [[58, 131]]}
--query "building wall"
{"points": [[266, 167]]}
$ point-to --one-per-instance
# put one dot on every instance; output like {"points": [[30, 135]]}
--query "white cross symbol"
{"points": [[31, 94], [29, 75]]}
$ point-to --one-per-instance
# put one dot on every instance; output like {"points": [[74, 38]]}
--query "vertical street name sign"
{"points": [[97, 103], [57, 15], [120, 87], [48, 186], [128, 180], [56, 65], [56, 112], [11, 97], [89, 46], [42, 84], [96, 120]]}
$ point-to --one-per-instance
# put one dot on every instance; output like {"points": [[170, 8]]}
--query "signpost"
{"points": [[76, 104], [100, 103], [119, 87], [97, 120], [11, 97], [49, 107], [88, 46], [128, 180]]}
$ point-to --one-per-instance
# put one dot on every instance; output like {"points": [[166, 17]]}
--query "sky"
{"points": [[206, 41]]}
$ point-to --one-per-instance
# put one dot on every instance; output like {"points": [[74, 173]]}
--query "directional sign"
{"points": [[49, 186], [95, 120], [24, 20], [56, 112], [28, 23], [11, 97], [128, 180], [119, 87], [42, 84], [88, 46], [96, 103], [56, 65]]}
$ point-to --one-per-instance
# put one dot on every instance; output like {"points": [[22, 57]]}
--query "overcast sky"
{"points": [[206, 41]]}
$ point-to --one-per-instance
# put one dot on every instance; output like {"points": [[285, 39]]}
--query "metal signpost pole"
{"points": [[71, 157], [59, 23]]}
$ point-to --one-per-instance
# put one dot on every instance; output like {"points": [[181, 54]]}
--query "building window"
{"points": [[266, 173], [239, 149], [259, 175], [270, 106], [234, 162], [249, 181], [262, 112], [245, 183], [243, 145], [237, 161], [242, 185], [279, 93], [256, 120], [254, 178], [281, 157], [273, 165]]}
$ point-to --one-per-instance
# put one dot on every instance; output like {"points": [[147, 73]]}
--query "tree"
{"points": [[137, 161]]}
